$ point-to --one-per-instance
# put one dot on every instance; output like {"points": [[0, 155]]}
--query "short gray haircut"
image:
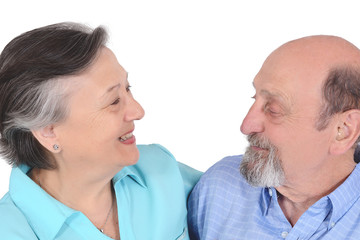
{"points": [[341, 92], [34, 87]]}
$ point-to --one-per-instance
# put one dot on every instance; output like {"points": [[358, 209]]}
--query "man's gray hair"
{"points": [[341, 92]]}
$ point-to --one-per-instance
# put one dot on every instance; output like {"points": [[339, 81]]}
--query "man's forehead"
{"points": [[286, 71], [288, 89], [273, 95]]}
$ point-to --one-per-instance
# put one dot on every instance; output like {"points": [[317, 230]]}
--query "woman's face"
{"points": [[100, 124]]}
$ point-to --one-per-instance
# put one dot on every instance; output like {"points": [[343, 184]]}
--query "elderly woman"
{"points": [[66, 122]]}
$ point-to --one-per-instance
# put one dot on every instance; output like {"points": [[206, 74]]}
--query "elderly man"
{"points": [[297, 179]]}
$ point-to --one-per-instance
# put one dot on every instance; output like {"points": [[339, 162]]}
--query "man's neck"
{"points": [[295, 197], [294, 209]]}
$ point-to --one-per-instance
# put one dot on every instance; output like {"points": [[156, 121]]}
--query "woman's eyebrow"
{"points": [[110, 89]]}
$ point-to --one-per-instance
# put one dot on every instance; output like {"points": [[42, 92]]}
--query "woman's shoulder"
{"points": [[9, 211], [157, 161], [155, 157], [155, 152], [13, 223]]}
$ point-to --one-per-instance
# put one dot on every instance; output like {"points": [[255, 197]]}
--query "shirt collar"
{"points": [[343, 197], [265, 200], [134, 173], [36, 204], [269, 198]]}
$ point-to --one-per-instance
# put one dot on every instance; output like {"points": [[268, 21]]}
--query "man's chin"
{"points": [[259, 173]]}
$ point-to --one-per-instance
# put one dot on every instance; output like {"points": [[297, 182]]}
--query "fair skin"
{"points": [[95, 141], [286, 109]]}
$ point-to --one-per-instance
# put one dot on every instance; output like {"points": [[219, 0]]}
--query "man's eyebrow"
{"points": [[269, 94], [272, 95]]}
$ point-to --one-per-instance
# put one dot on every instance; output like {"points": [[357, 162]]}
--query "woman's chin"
{"points": [[129, 157]]}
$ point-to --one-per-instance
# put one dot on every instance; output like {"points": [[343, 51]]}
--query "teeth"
{"points": [[126, 137]]}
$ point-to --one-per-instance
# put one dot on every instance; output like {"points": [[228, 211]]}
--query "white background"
{"points": [[191, 63]]}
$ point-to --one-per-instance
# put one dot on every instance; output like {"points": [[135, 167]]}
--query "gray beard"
{"points": [[262, 168]]}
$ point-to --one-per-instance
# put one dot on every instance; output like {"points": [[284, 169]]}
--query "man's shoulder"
{"points": [[221, 194], [229, 163], [13, 223], [225, 171], [224, 178]]}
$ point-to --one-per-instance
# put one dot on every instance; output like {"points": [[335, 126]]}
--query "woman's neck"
{"points": [[73, 189], [95, 199]]}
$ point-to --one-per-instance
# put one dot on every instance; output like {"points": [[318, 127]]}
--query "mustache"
{"points": [[255, 140]]}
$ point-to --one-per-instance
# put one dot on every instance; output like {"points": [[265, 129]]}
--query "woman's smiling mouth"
{"points": [[128, 138]]}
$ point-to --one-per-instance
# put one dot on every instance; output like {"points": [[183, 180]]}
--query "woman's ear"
{"points": [[347, 132], [47, 137]]}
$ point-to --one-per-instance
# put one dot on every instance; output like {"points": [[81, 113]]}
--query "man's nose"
{"points": [[253, 121]]}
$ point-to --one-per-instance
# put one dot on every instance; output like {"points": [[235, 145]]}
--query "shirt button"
{"points": [[270, 192], [284, 234], [332, 224]]}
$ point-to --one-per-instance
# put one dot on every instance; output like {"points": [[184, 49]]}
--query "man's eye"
{"points": [[273, 113], [116, 101], [128, 88]]}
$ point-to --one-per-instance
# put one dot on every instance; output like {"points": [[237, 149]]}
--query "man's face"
{"points": [[285, 145]]}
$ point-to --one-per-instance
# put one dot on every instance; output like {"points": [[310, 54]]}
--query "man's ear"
{"points": [[347, 132], [47, 137]]}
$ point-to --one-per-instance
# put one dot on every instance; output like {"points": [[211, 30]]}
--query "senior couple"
{"points": [[66, 123]]}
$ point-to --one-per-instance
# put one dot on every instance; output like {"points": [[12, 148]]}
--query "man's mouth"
{"points": [[257, 148], [126, 137]]}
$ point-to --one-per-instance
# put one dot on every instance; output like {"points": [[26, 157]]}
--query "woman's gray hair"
{"points": [[34, 87]]}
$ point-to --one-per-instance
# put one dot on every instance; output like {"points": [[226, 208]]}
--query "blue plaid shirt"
{"points": [[223, 206]]}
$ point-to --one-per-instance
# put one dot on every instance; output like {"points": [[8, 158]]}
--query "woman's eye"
{"points": [[116, 101], [128, 89]]}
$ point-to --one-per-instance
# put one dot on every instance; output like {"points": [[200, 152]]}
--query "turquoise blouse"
{"points": [[151, 199]]}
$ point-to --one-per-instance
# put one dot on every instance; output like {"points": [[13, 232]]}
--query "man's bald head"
{"points": [[329, 49], [330, 61]]}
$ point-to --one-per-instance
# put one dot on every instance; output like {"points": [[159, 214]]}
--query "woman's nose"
{"points": [[134, 111]]}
